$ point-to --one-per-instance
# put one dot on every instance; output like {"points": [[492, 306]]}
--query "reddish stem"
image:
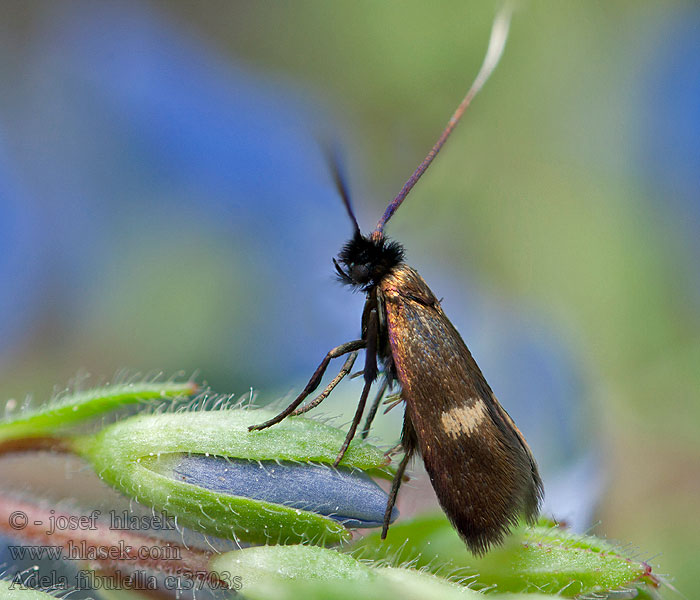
{"points": [[107, 549], [35, 443]]}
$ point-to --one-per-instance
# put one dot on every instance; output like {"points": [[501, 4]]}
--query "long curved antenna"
{"points": [[341, 182], [497, 41]]}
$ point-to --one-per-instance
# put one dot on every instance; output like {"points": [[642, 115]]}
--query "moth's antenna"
{"points": [[497, 41], [341, 182]]}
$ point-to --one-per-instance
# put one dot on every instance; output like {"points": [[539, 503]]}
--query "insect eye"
{"points": [[360, 273]]}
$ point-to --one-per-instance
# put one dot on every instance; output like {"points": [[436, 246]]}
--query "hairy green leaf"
{"points": [[290, 572], [135, 456], [74, 408], [544, 558]]}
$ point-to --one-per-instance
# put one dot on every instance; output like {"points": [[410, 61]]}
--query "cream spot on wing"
{"points": [[464, 419]]}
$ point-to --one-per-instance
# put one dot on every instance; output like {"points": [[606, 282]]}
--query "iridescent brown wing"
{"points": [[479, 463]]}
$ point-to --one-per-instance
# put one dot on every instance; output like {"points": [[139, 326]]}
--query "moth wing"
{"points": [[481, 468]]}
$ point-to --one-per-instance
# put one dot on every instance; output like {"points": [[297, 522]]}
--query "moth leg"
{"points": [[395, 485], [313, 382], [347, 367], [409, 443], [355, 422], [394, 450], [392, 402], [374, 407], [370, 374]]}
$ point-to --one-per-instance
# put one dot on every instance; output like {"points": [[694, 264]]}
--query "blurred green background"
{"points": [[165, 206]]}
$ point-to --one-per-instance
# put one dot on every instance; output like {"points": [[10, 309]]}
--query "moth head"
{"points": [[365, 260]]}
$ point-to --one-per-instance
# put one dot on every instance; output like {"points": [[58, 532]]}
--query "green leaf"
{"points": [[290, 572], [12, 589], [74, 408], [135, 456], [543, 558]]}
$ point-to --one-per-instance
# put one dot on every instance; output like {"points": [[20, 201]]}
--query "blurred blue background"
{"points": [[165, 205]]}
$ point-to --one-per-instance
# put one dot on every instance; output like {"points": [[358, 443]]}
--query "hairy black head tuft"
{"points": [[364, 261]]}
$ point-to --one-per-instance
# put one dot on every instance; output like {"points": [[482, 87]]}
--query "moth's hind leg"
{"points": [[395, 485], [313, 382], [408, 443]]}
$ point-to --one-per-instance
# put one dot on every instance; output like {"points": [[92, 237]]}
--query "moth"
{"points": [[480, 465]]}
